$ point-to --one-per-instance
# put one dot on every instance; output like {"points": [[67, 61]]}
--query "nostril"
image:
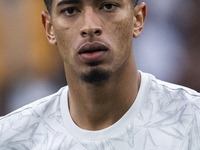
{"points": [[91, 32], [84, 34], [97, 32]]}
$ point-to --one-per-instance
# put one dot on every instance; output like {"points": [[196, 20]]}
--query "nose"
{"points": [[91, 24]]}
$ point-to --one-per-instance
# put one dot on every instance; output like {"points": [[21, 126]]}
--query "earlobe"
{"points": [[46, 21], [139, 19]]}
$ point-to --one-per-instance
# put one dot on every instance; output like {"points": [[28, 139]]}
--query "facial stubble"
{"points": [[95, 76]]}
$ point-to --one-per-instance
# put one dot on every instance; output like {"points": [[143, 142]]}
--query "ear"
{"points": [[46, 21], [139, 19]]}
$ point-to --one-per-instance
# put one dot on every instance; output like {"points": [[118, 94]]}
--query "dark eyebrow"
{"points": [[68, 2], [63, 2]]}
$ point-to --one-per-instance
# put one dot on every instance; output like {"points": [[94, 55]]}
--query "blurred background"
{"points": [[31, 68]]}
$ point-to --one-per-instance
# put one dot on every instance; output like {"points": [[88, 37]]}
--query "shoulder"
{"points": [[172, 98], [159, 86], [38, 104], [174, 90], [172, 111], [169, 95], [29, 115]]}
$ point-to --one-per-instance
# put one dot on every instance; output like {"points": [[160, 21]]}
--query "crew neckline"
{"points": [[112, 130]]}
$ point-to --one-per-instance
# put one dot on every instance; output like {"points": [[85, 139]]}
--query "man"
{"points": [[108, 104]]}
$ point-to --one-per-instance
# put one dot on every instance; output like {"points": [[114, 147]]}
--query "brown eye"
{"points": [[70, 10], [109, 6]]}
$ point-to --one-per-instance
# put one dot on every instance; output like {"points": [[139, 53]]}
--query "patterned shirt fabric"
{"points": [[164, 116]]}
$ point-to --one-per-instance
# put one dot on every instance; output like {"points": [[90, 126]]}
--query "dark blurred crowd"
{"points": [[31, 68], [169, 46]]}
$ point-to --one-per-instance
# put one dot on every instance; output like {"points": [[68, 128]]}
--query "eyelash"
{"points": [[106, 4], [75, 9], [103, 6]]}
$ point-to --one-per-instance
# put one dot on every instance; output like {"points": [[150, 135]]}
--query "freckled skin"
{"points": [[115, 28]]}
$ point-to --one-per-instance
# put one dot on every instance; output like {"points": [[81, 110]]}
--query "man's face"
{"points": [[94, 37]]}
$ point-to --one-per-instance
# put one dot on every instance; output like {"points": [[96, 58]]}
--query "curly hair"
{"points": [[48, 4]]}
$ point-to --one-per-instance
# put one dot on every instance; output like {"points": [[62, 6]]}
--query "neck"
{"points": [[97, 107]]}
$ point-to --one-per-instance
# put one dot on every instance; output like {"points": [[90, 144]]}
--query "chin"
{"points": [[96, 76]]}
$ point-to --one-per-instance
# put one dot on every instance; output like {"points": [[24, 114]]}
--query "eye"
{"points": [[70, 11], [109, 6]]}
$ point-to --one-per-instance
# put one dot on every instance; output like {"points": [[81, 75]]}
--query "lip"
{"points": [[92, 52]]}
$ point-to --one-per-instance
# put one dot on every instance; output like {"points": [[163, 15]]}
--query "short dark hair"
{"points": [[48, 4]]}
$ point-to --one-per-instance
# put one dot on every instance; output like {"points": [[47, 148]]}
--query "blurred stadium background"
{"points": [[31, 68]]}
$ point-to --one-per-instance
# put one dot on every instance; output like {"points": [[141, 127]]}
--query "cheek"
{"points": [[64, 43], [121, 35]]}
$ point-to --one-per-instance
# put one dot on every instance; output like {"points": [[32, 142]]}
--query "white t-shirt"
{"points": [[164, 116]]}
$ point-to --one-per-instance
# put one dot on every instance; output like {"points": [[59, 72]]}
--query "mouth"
{"points": [[92, 52], [92, 48]]}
